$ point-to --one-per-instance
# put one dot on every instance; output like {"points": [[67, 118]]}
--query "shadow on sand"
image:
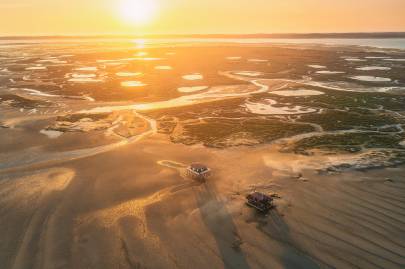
{"points": [[219, 222], [294, 256]]}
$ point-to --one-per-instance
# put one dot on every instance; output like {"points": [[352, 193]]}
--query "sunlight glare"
{"points": [[138, 11]]}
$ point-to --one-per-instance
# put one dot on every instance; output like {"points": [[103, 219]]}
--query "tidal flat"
{"points": [[95, 139]]}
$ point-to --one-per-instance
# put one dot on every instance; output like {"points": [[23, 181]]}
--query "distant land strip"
{"points": [[247, 36]]}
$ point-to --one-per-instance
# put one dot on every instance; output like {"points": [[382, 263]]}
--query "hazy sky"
{"points": [[34, 17]]}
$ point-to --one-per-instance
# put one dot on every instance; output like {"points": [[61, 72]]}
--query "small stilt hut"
{"points": [[260, 201], [198, 171]]}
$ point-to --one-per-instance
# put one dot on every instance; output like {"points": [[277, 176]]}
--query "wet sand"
{"points": [[122, 209]]}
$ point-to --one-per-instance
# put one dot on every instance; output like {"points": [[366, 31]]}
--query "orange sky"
{"points": [[70, 17]]}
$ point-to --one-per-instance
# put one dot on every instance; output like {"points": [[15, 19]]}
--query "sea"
{"points": [[385, 43]]}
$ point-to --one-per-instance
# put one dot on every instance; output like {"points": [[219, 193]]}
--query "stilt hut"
{"points": [[198, 171]]}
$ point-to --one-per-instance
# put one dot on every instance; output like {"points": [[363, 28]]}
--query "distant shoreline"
{"points": [[379, 35]]}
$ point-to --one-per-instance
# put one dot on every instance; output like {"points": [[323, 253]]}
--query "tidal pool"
{"points": [[128, 74], [394, 60], [52, 134], [87, 68], [83, 75], [371, 79], [195, 76], [36, 68], [258, 60], [233, 58], [133, 84], [372, 68], [85, 80], [315, 66], [267, 107], [327, 72], [249, 73], [163, 67], [298, 92], [355, 60]]}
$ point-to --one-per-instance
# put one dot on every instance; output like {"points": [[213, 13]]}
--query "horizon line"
{"points": [[393, 34]]}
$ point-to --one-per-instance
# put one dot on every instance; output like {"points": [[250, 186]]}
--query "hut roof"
{"points": [[198, 166], [258, 196], [199, 169]]}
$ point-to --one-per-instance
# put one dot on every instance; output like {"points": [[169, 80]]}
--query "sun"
{"points": [[138, 11]]}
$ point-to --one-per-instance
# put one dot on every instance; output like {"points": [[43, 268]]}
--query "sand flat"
{"points": [[103, 184], [149, 205]]}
